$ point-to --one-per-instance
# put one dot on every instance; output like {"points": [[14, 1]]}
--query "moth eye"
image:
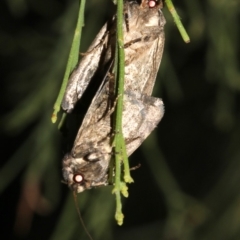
{"points": [[152, 3], [78, 178]]}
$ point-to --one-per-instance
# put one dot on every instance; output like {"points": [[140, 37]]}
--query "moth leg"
{"points": [[135, 167], [126, 15]]}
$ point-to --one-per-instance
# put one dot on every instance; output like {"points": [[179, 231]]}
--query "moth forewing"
{"points": [[143, 56], [84, 71]]}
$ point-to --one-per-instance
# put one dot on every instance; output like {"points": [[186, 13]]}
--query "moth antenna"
{"points": [[80, 216]]}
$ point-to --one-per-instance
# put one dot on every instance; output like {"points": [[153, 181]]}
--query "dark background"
{"points": [[188, 185]]}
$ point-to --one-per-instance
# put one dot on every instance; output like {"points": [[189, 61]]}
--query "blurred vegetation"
{"points": [[188, 184]]}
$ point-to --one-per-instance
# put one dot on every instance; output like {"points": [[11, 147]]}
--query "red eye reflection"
{"points": [[152, 3], [77, 178]]}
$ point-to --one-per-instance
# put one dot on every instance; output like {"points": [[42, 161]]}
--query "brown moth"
{"points": [[87, 164]]}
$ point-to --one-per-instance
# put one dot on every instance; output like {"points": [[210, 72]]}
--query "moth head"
{"points": [[152, 3], [80, 174]]}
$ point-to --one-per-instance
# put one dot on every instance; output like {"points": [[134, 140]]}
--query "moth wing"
{"points": [[141, 115], [95, 113], [86, 68], [144, 48]]}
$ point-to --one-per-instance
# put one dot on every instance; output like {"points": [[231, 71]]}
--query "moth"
{"points": [[87, 164]]}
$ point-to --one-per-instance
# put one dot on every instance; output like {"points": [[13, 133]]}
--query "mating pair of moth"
{"points": [[87, 164]]}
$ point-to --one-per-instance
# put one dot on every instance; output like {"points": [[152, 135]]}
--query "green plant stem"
{"points": [[177, 20], [118, 125], [120, 148], [72, 59]]}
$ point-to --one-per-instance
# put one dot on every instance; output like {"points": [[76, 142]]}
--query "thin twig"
{"points": [[72, 59], [177, 20]]}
